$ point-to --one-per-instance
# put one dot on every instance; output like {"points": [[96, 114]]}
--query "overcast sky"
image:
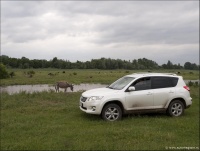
{"points": [[85, 30]]}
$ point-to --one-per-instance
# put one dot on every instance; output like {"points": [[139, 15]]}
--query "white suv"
{"points": [[140, 92]]}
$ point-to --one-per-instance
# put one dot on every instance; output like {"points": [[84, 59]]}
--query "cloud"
{"points": [[156, 25], [83, 30]]}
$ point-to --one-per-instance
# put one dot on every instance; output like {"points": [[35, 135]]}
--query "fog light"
{"points": [[93, 108]]}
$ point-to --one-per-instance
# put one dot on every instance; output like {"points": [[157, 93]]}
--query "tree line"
{"points": [[102, 63]]}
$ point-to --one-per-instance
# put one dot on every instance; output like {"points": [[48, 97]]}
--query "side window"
{"points": [[164, 82], [142, 84], [174, 81]]}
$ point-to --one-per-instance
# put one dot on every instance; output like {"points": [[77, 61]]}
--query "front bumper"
{"points": [[90, 107]]}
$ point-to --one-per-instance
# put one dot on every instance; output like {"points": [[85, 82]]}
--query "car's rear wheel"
{"points": [[176, 108], [111, 112]]}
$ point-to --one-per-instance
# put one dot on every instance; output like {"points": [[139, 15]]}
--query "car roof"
{"points": [[144, 74]]}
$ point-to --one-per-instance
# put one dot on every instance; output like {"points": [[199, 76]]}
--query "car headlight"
{"points": [[94, 98]]}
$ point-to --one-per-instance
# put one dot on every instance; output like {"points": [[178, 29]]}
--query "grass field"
{"points": [[53, 121], [81, 76]]}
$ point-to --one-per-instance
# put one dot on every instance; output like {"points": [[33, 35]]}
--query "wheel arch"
{"points": [[180, 99], [119, 103]]}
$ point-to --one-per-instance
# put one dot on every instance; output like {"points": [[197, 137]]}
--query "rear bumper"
{"points": [[188, 103]]}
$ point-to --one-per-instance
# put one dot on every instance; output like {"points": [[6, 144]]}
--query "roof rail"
{"points": [[150, 73], [141, 72], [170, 74]]}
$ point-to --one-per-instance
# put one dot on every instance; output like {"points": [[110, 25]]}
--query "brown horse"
{"points": [[63, 85]]}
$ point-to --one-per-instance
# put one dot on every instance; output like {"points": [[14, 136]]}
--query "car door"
{"points": [[141, 97], [163, 89]]}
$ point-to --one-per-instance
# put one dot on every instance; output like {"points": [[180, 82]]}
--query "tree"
{"points": [[14, 62], [4, 59], [188, 65], [25, 62], [191, 66], [102, 63], [169, 65], [3, 73]]}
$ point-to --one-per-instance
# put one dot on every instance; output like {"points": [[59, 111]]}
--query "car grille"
{"points": [[83, 99]]}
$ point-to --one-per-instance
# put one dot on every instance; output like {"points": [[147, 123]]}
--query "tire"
{"points": [[111, 112], [176, 108]]}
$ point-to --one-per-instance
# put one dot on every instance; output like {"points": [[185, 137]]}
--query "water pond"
{"points": [[45, 87]]}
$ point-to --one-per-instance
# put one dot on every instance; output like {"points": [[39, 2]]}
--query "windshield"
{"points": [[121, 83]]}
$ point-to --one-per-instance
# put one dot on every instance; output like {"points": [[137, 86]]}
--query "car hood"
{"points": [[99, 92]]}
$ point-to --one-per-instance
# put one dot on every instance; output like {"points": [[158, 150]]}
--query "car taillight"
{"points": [[187, 88]]}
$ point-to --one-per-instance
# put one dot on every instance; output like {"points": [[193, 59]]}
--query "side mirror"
{"points": [[131, 88]]}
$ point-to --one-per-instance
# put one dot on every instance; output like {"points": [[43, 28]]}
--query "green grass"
{"points": [[53, 121], [82, 76]]}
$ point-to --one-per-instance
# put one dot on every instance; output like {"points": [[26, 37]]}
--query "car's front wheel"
{"points": [[111, 112], [176, 108]]}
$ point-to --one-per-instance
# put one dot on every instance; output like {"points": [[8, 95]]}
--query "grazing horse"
{"points": [[64, 85]]}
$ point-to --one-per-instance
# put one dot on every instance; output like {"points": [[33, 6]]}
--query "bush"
{"points": [[3, 72], [190, 83], [31, 72], [12, 74], [196, 83]]}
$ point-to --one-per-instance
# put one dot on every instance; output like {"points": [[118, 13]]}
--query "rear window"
{"points": [[164, 82]]}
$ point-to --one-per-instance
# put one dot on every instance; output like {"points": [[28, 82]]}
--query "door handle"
{"points": [[171, 91]]}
